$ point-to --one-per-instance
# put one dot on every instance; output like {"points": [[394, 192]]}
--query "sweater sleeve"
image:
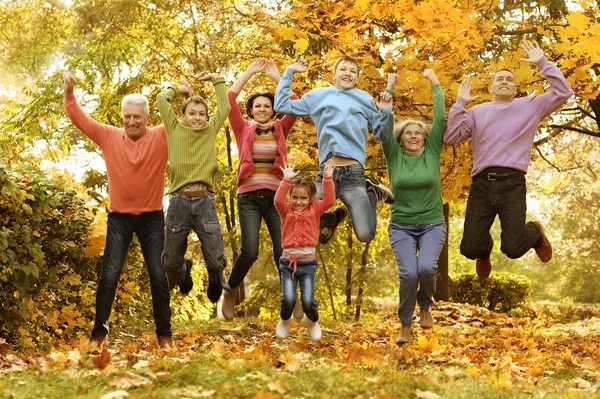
{"points": [[382, 122], [163, 100], [561, 91], [436, 132], [223, 106], [236, 120], [280, 204], [287, 122], [283, 103], [96, 131], [460, 123]]}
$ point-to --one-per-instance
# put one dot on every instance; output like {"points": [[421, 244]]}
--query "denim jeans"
{"points": [[149, 229], [252, 210], [198, 214], [351, 189], [417, 249], [507, 199], [305, 274]]}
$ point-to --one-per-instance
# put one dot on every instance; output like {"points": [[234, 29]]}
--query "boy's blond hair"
{"points": [[346, 58]]}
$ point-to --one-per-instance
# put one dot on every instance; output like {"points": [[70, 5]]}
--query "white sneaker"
{"points": [[229, 304], [381, 192], [283, 328], [313, 329], [298, 312]]}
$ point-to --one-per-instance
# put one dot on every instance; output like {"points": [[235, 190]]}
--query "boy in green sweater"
{"points": [[193, 165]]}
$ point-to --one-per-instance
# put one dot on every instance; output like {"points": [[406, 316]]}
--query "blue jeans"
{"points": [[507, 199], [351, 189], [149, 229], [305, 274], [198, 214], [252, 210], [417, 249]]}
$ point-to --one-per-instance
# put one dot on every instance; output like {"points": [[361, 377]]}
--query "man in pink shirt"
{"points": [[136, 159], [502, 133]]}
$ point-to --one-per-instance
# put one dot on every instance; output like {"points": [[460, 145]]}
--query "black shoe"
{"points": [[216, 284], [326, 233], [187, 284], [381, 192]]}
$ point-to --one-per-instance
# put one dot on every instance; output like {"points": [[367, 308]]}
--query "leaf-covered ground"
{"points": [[470, 353]]}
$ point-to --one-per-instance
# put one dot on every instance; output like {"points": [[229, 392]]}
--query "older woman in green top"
{"points": [[417, 228]]}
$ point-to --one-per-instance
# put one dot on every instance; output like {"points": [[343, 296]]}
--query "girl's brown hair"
{"points": [[307, 182]]}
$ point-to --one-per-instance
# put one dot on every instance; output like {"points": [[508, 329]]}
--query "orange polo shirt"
{"points": [[136, 169]]}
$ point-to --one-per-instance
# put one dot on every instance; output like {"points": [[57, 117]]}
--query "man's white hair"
{"points": [[135, 99]]}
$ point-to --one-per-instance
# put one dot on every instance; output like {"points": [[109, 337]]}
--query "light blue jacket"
{"points": [[342, 117]]}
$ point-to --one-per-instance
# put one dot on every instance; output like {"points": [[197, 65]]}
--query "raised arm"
{"points": [[460, 122], [436, 132], [283, 103], [93, 129], [223, 107], [280, 204], [328, 187], [164, 99], [561, 90], [253, 69]]}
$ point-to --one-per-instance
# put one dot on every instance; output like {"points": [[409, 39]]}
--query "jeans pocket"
{"points": [[212, 227], [173, 227], [517, 182]]}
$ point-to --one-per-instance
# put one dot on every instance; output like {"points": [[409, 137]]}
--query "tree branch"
{"points": [[575, 129]]}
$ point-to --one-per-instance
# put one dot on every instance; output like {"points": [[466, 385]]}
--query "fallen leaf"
{"points": [[278, 386], [115, 395], [426, 395], [129, 380], [103, 360]]}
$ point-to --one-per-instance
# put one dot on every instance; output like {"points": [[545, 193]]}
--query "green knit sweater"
{"points": [[192, 152], [416, 180]]}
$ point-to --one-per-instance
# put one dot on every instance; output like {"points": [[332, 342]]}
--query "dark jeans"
{"points": [[505, 197], [252, 210], [198, 214], [351, 189], [305, 274], [149, 229]]}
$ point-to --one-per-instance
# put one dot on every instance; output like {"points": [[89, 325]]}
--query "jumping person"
{"points": [[136, 159], [342, 115], [300, 229], [193, 165], [261, 144], [502, 133], [417, 226]]}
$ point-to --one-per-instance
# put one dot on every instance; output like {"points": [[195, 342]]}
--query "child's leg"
{"points": [[178, 226], [288, 288], [207, 227], [306, 275]]}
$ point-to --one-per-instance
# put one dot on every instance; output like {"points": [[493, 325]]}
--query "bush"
{"points": [[499, 292], [562, 312]]}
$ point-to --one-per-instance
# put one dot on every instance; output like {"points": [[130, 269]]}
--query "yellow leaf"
{"points": [[362, 4], [301, 45]]}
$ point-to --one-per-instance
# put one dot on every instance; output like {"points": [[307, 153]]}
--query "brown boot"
{"points": [[484, 266], [404, 335], [545, 251], [165, 341], [426, 319], [228, 307]]}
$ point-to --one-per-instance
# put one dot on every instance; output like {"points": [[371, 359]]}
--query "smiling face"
{"points": [[135, 119], [412, 138], [346, 75], [504, 86], [300, 198], [195, 115], [262, 109]]}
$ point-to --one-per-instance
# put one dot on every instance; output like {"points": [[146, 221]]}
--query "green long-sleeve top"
{"points": [[416, 180], [192, 152]]}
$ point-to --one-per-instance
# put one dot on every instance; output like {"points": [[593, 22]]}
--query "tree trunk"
{"points": [[349, 267], [362, 281], [442, 283], [328, 284]]}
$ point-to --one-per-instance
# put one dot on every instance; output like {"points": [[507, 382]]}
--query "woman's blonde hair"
{"points": [[400, 127]]}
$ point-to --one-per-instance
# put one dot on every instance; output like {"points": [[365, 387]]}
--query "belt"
{"points": [[193, 190], [261, 193], [496, 176]]}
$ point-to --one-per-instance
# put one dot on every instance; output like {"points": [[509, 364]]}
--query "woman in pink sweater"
{"points": [[262, 149], [300, 217]]}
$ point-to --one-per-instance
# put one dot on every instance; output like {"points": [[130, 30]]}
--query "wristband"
{"points": [[388, 91]]}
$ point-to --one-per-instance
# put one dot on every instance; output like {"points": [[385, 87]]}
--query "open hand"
{"points": [[272, 70], [69, 82], [533, 50], [384, 100], [288, 171], [464, 91], [429, 74], [392, 80], [206, 76], [328, 168], [257, 66], [300, 66], [185, 89]]}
